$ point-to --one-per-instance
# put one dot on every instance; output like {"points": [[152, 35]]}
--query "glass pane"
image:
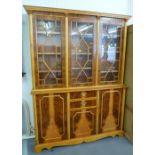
{"points": [[49, 49], [82, 51], [110, 49]]}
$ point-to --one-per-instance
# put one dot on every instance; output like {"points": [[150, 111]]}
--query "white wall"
{"points": [[130, 11], [109, 6], [27, 79]]}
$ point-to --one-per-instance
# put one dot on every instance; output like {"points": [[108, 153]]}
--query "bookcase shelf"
{"points": [[76, 56]]}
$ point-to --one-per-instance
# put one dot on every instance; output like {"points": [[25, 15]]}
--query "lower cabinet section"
{"points": [[62, 117]]}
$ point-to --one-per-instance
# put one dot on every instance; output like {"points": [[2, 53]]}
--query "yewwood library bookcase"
{"points": [[77, 73]]}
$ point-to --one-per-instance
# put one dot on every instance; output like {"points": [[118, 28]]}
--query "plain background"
{"points": [[11, 78]]}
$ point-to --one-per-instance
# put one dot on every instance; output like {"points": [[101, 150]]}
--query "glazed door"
{"points": [[51, 117], [82, 49], [110, 49], [82, 114], [110, 110], [49, 50]]}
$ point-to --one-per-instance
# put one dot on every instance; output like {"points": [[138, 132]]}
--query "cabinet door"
{"points": [[49, 50], [83, 114], [82, 40], [110, 50], [51, 117], [110, 110]]}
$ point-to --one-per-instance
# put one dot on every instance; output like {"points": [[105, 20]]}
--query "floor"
{"points": [[106, 146]]}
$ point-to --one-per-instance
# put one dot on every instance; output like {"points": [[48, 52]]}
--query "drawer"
{"points": [[83, 94], [83, 103], [82, 99]]}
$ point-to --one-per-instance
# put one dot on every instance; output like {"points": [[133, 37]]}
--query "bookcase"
{"points": [[77, 60]]}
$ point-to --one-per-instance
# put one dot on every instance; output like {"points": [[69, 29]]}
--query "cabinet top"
{"points": [[31, 9]]}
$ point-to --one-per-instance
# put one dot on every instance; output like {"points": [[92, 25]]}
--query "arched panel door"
{"points": [[110, 110], [52, 117]]}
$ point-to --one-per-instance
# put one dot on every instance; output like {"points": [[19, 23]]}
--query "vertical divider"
{"points": [[68, 115], [67, 79], [32, 50], [97, 111], [122, 108], [35, 119], [124, 52], [33, 76], [66, 49], [97, 51]]}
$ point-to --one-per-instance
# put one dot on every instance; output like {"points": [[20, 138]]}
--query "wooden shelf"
{"points": [[76, 68], [77, 34], [82, 54], [109, 71], [102, 60], [49, 71], [112, 36], [44, 33], [49, 53]]}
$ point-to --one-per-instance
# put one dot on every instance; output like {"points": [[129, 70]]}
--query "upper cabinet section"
{"points": [[49, 50], [110, 49], [76, 48], [82, 50]]}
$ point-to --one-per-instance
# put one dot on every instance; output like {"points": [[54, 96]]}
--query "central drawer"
{"points": [[82, 99], [83, 94]]}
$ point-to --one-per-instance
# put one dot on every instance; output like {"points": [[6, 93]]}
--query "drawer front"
{"points": [[110, 110], [80, 99], [77, 99], [51, 117], [83, 103], [83, 94]]}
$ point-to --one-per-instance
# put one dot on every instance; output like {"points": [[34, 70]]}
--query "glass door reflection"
{"points": [[111, 33], [82, 48]]}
